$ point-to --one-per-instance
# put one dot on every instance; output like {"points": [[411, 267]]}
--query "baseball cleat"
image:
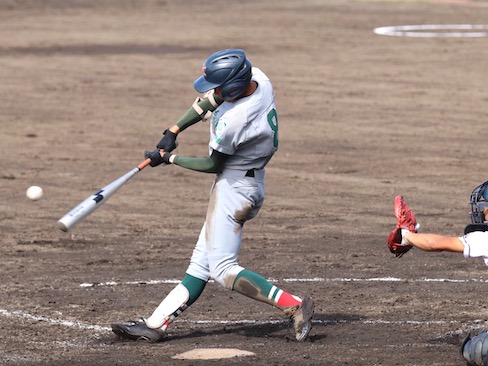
{"points": [[137, 331], [301, 315]]}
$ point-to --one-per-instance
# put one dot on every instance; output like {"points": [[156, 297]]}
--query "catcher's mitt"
{"points": [[405, 220]]}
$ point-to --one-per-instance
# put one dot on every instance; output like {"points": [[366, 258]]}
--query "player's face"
{"points": [[218, 92]]}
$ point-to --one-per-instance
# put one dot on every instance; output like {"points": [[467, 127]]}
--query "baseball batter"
{"points": [[240, 104]]}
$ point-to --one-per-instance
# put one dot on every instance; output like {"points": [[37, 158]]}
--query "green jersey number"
{"points": [[273, 123]]}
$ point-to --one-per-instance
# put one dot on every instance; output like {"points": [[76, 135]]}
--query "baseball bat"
{"points": [[93, 202]]}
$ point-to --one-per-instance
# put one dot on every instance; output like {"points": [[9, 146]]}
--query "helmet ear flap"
{"points": [[232, 90], [236, 86]]}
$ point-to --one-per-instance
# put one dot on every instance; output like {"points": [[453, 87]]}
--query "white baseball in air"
{"points": [[34, 193]]}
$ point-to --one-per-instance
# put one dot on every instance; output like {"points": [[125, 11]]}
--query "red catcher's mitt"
{"points": [[405, 220]]}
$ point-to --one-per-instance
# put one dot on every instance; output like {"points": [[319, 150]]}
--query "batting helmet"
{"points": [[475, 350], [228, 70]]}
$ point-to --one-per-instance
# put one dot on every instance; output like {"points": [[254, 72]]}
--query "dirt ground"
{"points": [[86, 86]]}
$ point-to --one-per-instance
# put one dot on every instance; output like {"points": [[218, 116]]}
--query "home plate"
{"points": [[212, 354]]}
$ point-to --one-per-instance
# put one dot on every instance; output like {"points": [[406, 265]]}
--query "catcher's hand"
{"points": [[394, 243], [405, 220]]}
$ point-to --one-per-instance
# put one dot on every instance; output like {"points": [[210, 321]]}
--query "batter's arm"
{"points": [[212, 164], [197, 112]]}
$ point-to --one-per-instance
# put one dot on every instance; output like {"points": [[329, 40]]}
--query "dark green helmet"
{"points": [[228, 70]]}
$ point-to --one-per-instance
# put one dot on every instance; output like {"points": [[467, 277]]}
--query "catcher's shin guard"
{"points": [[475, 350]]}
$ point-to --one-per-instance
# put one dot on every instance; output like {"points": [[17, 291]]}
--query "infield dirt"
{"points": [[87, 86]]}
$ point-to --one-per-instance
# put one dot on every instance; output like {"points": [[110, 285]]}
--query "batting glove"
{"points": [[168, 142], [156, 158]]}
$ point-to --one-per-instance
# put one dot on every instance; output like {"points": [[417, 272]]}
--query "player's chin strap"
{"points": [[205, 115], [171, 307]]}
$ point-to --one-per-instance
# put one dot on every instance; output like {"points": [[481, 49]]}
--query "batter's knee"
{"points": [[225, 275]]}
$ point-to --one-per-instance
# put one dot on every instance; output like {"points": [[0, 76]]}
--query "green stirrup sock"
{"points": [[253, 285], [195, 287]]}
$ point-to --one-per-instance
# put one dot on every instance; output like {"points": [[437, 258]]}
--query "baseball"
{"points": [[34, 193]]}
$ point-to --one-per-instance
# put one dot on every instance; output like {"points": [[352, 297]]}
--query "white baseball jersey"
{"points": [[247, 129], [476, 245]]}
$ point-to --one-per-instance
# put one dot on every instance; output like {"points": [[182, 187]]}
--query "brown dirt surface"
{"points": [[87, 86]]}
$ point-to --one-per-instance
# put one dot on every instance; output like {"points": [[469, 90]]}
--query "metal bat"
{"points": [[97, 199]]}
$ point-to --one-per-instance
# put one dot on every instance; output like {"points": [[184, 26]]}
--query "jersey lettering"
{"points": [[273, 123]]}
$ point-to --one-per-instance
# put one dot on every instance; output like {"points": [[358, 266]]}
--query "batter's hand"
{"points": [[156, 158], [168, 142]]}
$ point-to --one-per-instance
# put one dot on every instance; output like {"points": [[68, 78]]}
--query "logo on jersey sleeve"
{"points": [[219, 125]]}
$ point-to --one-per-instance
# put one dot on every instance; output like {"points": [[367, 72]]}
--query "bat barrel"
{"points": [[78, 213], [97, 199], [63, 224]]}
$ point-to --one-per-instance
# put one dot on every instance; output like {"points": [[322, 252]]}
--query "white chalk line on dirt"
{"points": [[86, 326], [440, 30], [315, 279], [100, 328], [42, 318]]}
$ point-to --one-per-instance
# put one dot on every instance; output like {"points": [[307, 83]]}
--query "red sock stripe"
{"points": [[287, 299]]}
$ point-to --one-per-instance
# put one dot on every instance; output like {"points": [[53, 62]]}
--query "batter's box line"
{"points": [[41, 318], [99, 328], [314, 279]]}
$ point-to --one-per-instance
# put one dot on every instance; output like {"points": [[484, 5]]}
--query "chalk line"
{"points": [[100, 328], [440, 30], [42, 318], [314, 279]]}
